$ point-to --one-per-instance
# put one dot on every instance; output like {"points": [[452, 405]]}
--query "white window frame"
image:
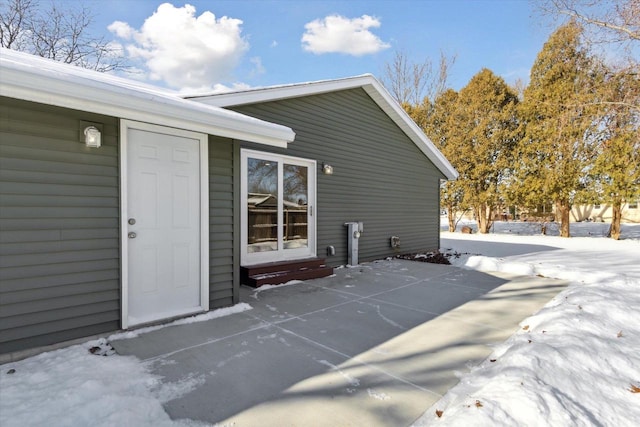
{"points": [[280, 254]]}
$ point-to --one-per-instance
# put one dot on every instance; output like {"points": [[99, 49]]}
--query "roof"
{"points": [[36, 79], [368, 82]]}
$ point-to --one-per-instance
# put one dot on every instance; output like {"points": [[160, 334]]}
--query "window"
{"points": [[278, 222]]}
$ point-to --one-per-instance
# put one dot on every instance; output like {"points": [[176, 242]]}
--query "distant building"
{"points": [[603, 212]]}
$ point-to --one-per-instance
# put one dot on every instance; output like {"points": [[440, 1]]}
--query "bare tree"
{"points": [[61, 34], [14, 22], [606, 24], [616, 21], [411, 82], [518, 87]]}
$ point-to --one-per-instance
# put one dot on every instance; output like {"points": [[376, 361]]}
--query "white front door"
{"points": [[278, 203], [163, 223]]}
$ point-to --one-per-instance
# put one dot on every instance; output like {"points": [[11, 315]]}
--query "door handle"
{"points": [[132, 235]]}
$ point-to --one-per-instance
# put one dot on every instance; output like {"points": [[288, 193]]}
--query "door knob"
{"points": [[131, 221], [132, 235]]}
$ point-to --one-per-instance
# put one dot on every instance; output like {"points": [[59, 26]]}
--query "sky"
{"points": [[213, 45]]}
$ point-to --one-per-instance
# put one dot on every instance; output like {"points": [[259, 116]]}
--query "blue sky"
{"points": [[248, 43]]}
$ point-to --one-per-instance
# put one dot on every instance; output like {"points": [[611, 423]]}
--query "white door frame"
{"points": [[312, 212], [125, 125]]}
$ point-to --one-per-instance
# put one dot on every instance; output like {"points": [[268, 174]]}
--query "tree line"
{"points": [[570, 137]]}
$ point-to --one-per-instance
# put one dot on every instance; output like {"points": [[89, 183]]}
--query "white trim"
{"points": [[125, 125], [368, 82], [124, 246], [204, 222], [49, 82], [281, 254]]}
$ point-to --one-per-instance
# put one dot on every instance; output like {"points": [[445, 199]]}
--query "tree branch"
{"points": [[574, 14]]}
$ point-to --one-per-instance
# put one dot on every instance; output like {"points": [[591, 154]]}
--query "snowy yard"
{"points": [[576, 362]]}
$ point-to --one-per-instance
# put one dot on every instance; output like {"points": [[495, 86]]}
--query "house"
{"points": [[364, 158], [122, 204], [604, 212]]}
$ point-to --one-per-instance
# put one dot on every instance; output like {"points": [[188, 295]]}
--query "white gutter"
{"points": [[35, 79]]}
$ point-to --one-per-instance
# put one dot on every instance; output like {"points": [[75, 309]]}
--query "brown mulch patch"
{"points": [[432, 257]]}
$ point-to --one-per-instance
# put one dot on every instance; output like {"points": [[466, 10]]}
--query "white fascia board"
{"points": [[368, 82], [275, 93], [38, 80]]}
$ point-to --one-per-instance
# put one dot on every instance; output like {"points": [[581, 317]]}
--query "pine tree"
{"points": [[558, 109]]}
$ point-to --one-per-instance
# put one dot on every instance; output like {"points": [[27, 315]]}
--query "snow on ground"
{"points": [[575, 362], [213, 314], [263, 288], [76, 386], [72, 387], [533, 228]]}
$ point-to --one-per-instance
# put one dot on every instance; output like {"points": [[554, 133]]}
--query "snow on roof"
{"points": [[36, 79], [368, 82]]}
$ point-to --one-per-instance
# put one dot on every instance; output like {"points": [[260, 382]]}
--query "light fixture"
{"points": [[327, 169], [92, 137]]}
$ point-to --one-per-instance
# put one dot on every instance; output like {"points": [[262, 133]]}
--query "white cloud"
{"points": [[183, 50], [115, 49], [258, 68], [337, 34], [214, 89], [121, 29]]}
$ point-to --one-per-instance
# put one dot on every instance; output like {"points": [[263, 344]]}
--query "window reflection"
{"points": [[295, 206], [262, 205]]}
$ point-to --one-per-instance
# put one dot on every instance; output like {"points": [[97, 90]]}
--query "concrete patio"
{"points": [[373, 345]]}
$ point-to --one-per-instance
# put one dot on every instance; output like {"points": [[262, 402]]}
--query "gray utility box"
{"points": [[354, 231]]}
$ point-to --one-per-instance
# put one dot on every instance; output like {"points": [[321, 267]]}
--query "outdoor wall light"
{"points": [[327, 169], [92, 137]]}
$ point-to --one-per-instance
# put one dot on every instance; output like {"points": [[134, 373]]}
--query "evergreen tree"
{"points": [[484, 128], [616, 169], [558, 109], [438, 120]]}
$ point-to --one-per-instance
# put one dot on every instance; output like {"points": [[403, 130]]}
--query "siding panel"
{"points": [[59, 232], [380, 176], [57, 320], [38, 283], [222, 267], [7, 249], [63, 334], [55, 292]]}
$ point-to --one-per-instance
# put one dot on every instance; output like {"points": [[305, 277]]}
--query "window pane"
{"points": [[262, 205], [294, 206]]}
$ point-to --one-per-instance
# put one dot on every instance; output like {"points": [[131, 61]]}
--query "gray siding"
{"points": [[380, 176], [223, 270], [59, 230]]}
